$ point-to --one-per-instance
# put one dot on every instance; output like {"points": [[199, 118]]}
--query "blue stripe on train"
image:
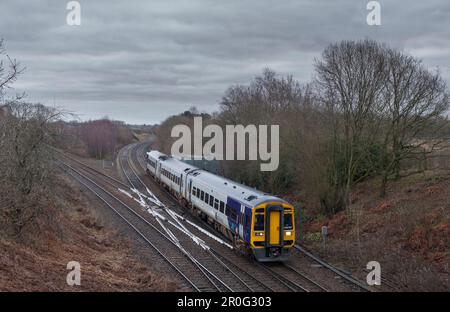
{"points": [[235, 205]]}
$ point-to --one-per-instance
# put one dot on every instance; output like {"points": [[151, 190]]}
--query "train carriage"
{"points": [[255, 221]]}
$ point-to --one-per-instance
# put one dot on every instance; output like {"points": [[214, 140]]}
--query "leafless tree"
{"points": [[9, 71], [350, 78], [26, 168], [275, 100], [414, 100]]}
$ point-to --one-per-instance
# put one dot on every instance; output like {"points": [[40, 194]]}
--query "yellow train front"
{"points": [[263, 223], [273, 231]]}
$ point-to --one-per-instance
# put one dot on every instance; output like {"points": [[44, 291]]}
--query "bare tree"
{"points": [[26, 168], [9, 71], [350, 78], [268, 99], [414, 101]]}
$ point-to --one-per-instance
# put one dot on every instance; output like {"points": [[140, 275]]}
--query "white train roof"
{"points": [[156, 154], [247, 195], [177, 165], [170, 162]]}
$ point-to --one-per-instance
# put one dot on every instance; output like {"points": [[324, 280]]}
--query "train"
{"points": [[258, 224]]}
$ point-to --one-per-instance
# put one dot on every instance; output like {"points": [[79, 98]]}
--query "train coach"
{"points": [[256, 222]]}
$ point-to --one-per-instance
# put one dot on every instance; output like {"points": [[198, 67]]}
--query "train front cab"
{"points": [[273, 231]]}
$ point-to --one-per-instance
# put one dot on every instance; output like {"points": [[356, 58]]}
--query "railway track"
{"points": [[130, 172], [287, 277], [223, 269], [196, 274], [208, 260]]}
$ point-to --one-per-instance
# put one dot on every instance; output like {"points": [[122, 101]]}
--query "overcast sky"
{"points": [[141, 61]]}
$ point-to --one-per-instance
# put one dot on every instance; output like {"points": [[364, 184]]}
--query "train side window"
{"points": [[222, 207], [259, 222], [233, 215], [203, 195], [206, 197], [194, 191], [288, 221], [211, 201], [216, 204]]}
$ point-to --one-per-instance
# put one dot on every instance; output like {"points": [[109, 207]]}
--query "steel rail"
{"points": [[193, 260], [332, 268], [129, 223], [205, 270]]}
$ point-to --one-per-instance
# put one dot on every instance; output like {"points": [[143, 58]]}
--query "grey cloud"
{"points": [[141, 61]]}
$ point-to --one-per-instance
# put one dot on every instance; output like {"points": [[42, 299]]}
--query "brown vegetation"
{"points": [[77, 233], [408, 232], [99, 139]]}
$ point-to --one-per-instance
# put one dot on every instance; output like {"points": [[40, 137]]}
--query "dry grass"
{"points": [[408, 232], [107, 261]]}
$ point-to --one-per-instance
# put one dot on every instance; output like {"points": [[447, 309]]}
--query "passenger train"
{"points": [[257, 223]]}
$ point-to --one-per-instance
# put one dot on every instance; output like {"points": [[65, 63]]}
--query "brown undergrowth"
{"points": [[408, 232], [37, 261]]}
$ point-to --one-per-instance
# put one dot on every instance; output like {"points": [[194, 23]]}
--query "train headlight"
{"points": [[259, 234], [288, 233]]}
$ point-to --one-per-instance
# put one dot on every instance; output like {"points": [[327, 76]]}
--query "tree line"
{"points": [[370, 111], [100, 139]]}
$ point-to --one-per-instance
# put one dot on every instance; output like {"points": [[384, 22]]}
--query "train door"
{"points": [[241, 223], [158, 171], [180, 187], [233, 214], [246, 223], [274, 222], [189, 190]]}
